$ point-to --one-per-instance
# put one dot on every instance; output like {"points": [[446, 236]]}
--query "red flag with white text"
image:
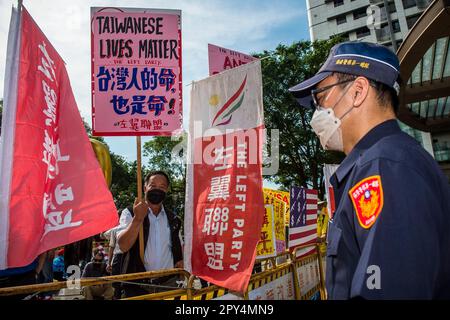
{"points": [[224, 199], [52, 188]]}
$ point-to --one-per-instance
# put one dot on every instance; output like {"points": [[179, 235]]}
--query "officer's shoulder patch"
{"points": [[367, 198]]}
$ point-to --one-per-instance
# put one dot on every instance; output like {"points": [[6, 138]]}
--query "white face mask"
{"points": [[328, 127]]}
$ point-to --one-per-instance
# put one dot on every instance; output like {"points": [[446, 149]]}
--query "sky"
{"points": [[241, 25]]}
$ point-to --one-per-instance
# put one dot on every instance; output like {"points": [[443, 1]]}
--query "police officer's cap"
{"points": [[370, 60]]}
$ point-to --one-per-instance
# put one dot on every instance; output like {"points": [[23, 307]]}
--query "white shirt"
{"points": [[112, 235], [113, 240], [158, 252]]}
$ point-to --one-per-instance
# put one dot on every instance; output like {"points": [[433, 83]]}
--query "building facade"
{"points": [[368, 20], [364, 20]]}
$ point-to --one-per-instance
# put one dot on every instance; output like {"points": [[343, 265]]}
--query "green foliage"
{"points": [[162, 155], [124, 173], [124, 182], [301, 156]]}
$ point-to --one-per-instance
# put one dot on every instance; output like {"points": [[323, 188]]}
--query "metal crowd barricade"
{"points": [[308, 292], [176, 294], [207, 293], [96, 281], [257, 280], [303, 288], [272, 272], [265, 278]]}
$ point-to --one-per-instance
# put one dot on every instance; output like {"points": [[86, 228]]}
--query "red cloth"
{"points": [[58, 193]]}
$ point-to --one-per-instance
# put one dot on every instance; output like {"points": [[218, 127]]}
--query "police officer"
{"points": [[390, 235]]}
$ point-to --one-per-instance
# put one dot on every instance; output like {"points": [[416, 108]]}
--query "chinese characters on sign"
{"points": [[279, 289], [266, 245], [136, 71], [279, 210], [308, 275], [283, 196], [216, 218]]}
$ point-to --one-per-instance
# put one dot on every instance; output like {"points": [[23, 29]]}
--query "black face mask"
{"points": [[155, 196]]}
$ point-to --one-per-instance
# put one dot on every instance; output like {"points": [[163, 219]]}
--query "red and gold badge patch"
{"points": [[367, 198]]}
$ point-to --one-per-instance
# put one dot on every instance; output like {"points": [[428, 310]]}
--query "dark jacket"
{"points": [[132, 261], [389, 237], [95, 270]]}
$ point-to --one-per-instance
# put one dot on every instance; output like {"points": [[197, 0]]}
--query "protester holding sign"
{"points": [[162, 244]]}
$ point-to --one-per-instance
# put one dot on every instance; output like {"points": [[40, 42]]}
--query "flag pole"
{"points": [[139, 168], [139, 195]]}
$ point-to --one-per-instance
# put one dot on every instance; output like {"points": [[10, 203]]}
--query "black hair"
{"points": [[97, 251], [386, 96], [156, 173]]}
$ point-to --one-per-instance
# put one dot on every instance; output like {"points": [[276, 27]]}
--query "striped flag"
{"points": [[303, 220]]}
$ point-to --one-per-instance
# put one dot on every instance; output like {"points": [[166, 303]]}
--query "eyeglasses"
{"points": [[315, 92]]}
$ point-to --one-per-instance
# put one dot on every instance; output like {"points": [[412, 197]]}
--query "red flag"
{"points": [[52, 188]]}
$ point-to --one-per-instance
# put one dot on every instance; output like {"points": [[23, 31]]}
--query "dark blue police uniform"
{"points": [[390, 234], [409, 242]]}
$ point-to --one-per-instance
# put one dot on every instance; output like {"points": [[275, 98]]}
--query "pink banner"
{"points": [[57, 192], [136, 71], [221, 59]]}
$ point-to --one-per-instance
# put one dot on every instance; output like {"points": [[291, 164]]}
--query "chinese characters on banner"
{"points": [[308, 276], [279, 209], [303, 220], [278, 289], [224, 200], [283, 196], [280, 228], [221, 59], [266, 246], [52, 188], [136, 71]]}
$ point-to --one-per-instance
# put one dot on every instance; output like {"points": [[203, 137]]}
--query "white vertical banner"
{"points": [[8, 129]]}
